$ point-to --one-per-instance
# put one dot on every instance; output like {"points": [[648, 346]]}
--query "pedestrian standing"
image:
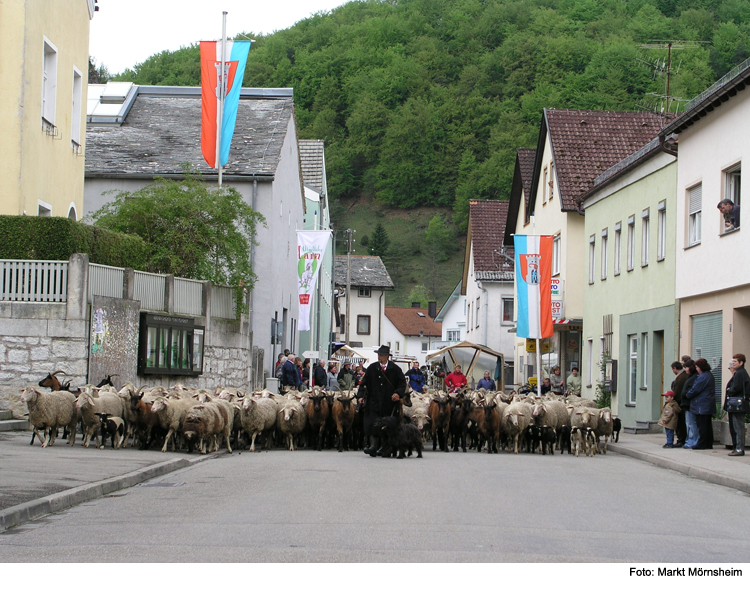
{"points": [[346, 377], [415, 377], [455, 380], [290, 374], [573, 383], [668, 418], [556, 381], [306, 374], [678, 384], [320, 378], [737, 402], [702, 404], [486, 382], [332, 383], [690, 424]]}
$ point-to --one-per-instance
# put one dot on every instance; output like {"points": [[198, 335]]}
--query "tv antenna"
{"points": [[662, 66]]}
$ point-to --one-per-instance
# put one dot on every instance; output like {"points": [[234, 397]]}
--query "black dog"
{"points": [[616, 426], [564, 439], [399, 437]]}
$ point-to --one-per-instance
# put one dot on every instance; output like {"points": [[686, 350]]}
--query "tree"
{"points": [[192, 229], [379, 241], [419, 293], [98, 74], [440, 239]]}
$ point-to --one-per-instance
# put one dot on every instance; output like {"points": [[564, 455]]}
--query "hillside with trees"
{"points": [[423, 103]]}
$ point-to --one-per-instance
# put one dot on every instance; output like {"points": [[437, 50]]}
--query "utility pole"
{"points": [[348, 282]]}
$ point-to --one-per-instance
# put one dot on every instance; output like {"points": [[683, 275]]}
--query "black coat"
{"points": [[320, 376], [377, 388]]}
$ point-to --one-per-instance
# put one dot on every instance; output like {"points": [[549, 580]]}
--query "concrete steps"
{"points": [[642, 427], [8, 423]]}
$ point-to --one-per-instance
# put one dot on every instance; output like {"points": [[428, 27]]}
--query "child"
{"points": [[668, 418]]}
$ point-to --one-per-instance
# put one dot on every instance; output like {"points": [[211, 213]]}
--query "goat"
{"points": [[440, 417], [343, 412], [112, 426]]}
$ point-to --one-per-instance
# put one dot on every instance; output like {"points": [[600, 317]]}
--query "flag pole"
{"points": [[222, 90], [538, 341]]}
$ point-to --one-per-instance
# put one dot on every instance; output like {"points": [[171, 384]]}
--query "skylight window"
{"points": [[420, 314]]}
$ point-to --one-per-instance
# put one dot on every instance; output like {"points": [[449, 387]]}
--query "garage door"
{"points": [[707, 344]]}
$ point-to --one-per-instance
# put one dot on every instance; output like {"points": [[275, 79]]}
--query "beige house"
{"points": [[44, 54]]}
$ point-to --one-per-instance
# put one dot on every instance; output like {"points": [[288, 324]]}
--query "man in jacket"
{"points": [[381, 388], [455, 380], [415, 377], [680, 377], [346, 377], [290, 373], [320, 376]]}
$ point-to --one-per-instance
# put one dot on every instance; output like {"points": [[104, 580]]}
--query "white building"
{"points": [[138, 133], [411, 331], [452, 318]]}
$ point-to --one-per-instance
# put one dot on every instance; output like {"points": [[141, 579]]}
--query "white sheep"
{"points": [[516, 419], [90, 406], [172, 413], [203, 421], [50, 410], [292, 420], [258, 416], [576, 440]]}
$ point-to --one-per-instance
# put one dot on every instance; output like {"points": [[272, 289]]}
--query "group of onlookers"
{"points": [[557, 385], [292, 371], [691, 403]]}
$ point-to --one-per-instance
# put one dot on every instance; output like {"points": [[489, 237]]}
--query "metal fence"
{"points": [[222, 302], [188, 297], [34, 281], [105, 281], [150, 290]]}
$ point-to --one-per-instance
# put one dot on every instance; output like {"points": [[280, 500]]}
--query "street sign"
{"points": [[311, 354]]}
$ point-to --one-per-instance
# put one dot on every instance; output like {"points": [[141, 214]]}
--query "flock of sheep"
{"points": [[229, 417]]}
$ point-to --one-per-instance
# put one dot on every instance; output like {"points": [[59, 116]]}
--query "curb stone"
{"points": [[60, 501], [700, 473]]}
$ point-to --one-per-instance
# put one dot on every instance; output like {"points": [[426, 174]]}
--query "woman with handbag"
{"points": [[736, 402]]}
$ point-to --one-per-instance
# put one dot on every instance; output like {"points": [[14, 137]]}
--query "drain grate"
{"points": [[162, 484]]}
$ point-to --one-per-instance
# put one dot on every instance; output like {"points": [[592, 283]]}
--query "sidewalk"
{"points": [[711, 465], [36, 482]]}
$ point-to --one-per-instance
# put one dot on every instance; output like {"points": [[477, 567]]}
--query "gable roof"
{"points": [[161, 129], [409, 322], [448, 303], [367, 271], [311, 156], [487, 221], [520, 190], [586, 143]]}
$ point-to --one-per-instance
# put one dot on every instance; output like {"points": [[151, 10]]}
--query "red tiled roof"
{"points": [[409, 323], [526, 158], [487, 219], [586, 143]]}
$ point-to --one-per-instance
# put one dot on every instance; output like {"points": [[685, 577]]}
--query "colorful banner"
{"points": [[533, 286], [234, 68], [311, 248]]}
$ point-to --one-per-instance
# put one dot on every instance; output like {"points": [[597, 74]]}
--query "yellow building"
{"points": [[44, 54]]}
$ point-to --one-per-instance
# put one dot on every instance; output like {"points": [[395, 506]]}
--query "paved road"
{"points": [[281, 506]]}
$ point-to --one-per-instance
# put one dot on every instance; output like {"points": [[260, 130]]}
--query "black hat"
{"points": [[384, 350]]}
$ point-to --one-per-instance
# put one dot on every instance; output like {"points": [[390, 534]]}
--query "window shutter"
{"points": [[707, 344], [696, 199]]}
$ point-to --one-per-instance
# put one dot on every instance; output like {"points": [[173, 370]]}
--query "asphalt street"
{"points": [[282, 506]]}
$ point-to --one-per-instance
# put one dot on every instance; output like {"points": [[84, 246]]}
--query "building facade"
{"points": [[411, 332]]}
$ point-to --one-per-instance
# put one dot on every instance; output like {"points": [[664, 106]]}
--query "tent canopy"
{"points": [[474, 360]]}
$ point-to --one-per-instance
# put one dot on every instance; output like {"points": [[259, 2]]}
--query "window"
{"points": [[343, 323], [507, 310], [170, 345], [556, 255], [363, 325], [476, 312], [645, 217], [398, 346], [631, 241], [425, 347], [618, 247], [590, 364], [468, 316], [661, 232], [551, 180], [592, 255], [644, 371], [695, 203], [75, 120], [544, 187], [605, 237], [364, 292], [44, 209], [632, 368], [732, 177], [453, 335], [49, 83]]}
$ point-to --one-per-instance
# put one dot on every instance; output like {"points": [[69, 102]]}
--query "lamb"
{"points": [[112, 426], [292, 420], [258, 416], [616, 427], [50, 410], [576, 438], [171, 413], [516, 419], [591, 442], [90, 406]]}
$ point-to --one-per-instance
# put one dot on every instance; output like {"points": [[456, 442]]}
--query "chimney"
{"points": [[416, 305], [432, 309]]}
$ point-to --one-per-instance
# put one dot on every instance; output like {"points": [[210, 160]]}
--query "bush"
{"points": [[56, 238]]}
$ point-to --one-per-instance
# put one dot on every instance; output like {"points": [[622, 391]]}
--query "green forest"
{"points": [[423, 103]]}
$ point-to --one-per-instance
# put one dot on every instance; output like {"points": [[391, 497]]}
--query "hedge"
{"points": [[56, 238]]}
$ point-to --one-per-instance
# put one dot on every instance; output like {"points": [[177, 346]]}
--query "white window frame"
{"points": [[468, 318], [605, 238], [556, 254], [645, 235], [49, 82], [694, 210], [551, 180], [590, 358], [449, 334], [398, 347], [43, 209], [618, 248], [425, 346], [75, 119], [505, 303], [544, 186], [631, 242], [644, 365], [632, 368], [732, 189], [592, 257], [476, 312], [661, 232], [365, 292]]}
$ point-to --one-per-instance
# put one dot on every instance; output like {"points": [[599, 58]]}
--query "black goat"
{"points": [[616, 426], [112, 426], [564, 439]]}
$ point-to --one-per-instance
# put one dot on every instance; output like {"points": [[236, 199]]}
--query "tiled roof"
{"points": [[161, 132], [409, 322], [367, 271], [487, 220], [587, 143], [311, 154], [526, 157]]}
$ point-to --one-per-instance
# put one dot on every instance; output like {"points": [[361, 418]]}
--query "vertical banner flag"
{"points": [[235, 58], [533, 286], [311, 248]]}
